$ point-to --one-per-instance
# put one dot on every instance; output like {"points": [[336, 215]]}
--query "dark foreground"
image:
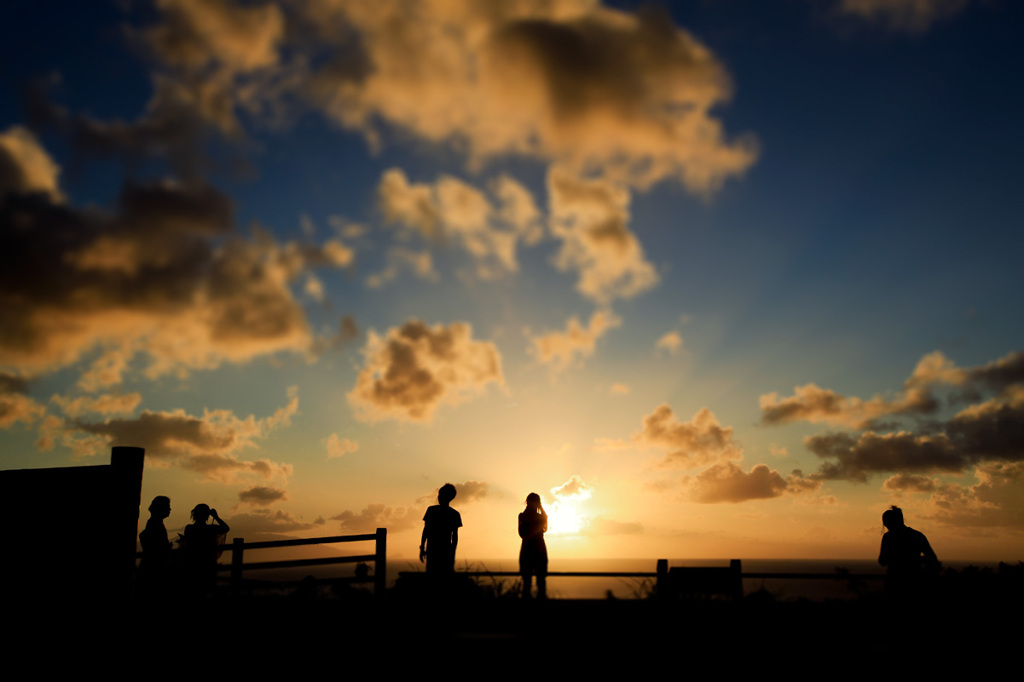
{"points": [[480, 639]]}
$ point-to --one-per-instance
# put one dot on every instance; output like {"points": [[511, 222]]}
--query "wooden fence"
{"points": [[379, 557]]}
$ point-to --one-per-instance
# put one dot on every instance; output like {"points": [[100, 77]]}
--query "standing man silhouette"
{"points": [[440, 536]]}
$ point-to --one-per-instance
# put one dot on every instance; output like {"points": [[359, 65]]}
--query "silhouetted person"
{"points": [[154, 569], [906, 555], [440, 536], [201, 547], [533, 553]]}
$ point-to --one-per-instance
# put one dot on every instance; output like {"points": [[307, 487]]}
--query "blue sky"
{"points": [[548, 225]]}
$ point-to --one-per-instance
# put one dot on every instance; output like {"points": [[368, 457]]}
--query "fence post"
{"points": [[380, 567], [237, 547], [660, 581]]}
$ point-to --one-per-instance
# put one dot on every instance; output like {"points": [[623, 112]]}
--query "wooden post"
{"points": [[380, 567], [237, 547], [126, 469], [659, 582]]}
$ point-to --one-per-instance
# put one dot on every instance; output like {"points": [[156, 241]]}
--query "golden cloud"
{"points": [[627, 95], [561, 349], [451, 210], [698, 442], [415, 368], [25, 167], [591, 217]]}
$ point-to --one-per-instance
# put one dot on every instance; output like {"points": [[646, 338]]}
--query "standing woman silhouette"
{"points": [[533, 554]]}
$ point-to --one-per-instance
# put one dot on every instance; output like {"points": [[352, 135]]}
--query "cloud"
{"points": [[873, 452], [904, 482], [163, 275], [339, 447], [698, 442], [15, 405], [813, 404], [630, 95], [455, 211], [575, 488], [561, 349], [207, 445], [727, 482], [619, 389], [671, 342], [907, 15], [470, 491], [591, 217], [988, 431], [375, 516], [420, 263], [413, 369], [112, 403], [261, 522], [262, 496], [25, 167], [198, 33], [565, 81], [995, 501]]}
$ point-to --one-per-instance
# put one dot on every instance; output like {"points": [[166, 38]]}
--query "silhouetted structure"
{"points": [[906, 555], [533, 553], [700, 582], [202, 545], [154, 569], [440, 535], [70, 532]]}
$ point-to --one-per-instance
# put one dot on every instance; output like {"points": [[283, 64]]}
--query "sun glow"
{"points": [[565, 515]]}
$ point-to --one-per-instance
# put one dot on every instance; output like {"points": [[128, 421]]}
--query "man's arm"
{"points": [[423, 543], [455, 540]]}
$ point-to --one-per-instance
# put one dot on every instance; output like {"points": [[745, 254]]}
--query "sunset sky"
{"points": [[717, 278]]}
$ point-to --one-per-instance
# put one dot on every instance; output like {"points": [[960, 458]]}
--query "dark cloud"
{"points": [[874, 453], [163, 274], [989, 431], [262, 496], [207, 444]]}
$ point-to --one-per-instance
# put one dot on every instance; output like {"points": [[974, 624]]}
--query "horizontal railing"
{"points": [[379, 557]]}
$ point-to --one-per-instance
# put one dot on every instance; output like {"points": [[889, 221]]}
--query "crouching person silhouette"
{"points": [[440, 536], [910, 563]]}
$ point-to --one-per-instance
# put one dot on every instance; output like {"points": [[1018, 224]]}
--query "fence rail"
{"points": [[379, 557]]}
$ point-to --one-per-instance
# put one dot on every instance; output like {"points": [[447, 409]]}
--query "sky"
{"points": [[717, 279]]}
